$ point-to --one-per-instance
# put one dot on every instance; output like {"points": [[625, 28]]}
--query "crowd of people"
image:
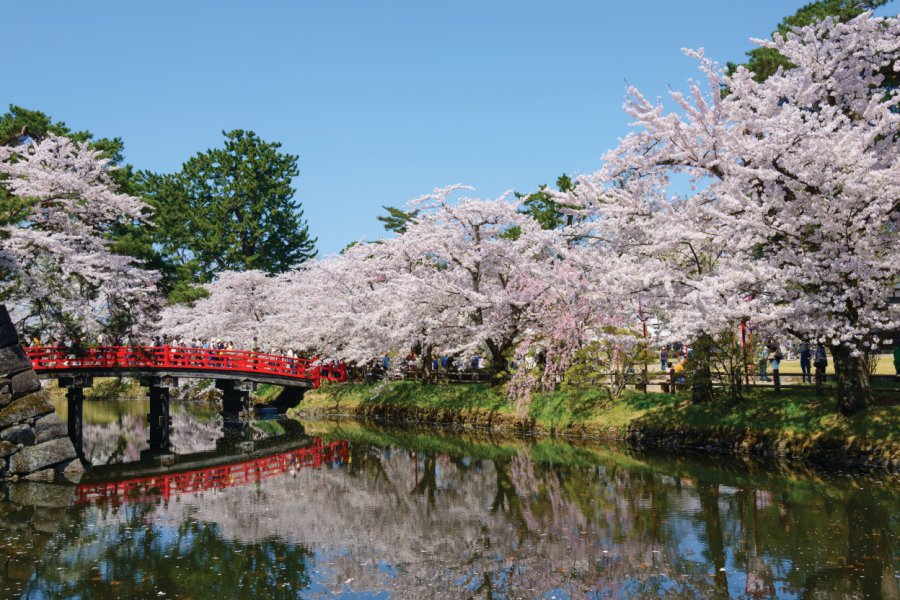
{"points": [[813, 362]]}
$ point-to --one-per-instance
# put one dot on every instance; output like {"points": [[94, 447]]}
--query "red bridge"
{"points": [[218, 477], [162, 361]]}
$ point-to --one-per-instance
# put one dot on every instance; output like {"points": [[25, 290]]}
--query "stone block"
{"points": [[46, 519], [42, 494], [13, 360], [25, 383], [5, 392], [19, 434], [35, 458], [24, 408], [47, 475], [19, 570], [71, 471], [8, 335], [7, 448], [17, 518], [49, 427]]}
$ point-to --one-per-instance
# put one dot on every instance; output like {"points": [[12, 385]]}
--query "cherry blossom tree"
{"points": [[479, 264], [797, 211], [59, 273], [461, 278], [237, 307]]}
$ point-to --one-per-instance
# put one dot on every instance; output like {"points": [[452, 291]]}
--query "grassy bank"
{"points": [[796, 424]]}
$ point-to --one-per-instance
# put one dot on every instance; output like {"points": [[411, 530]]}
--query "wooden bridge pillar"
{"points": [[159, 420], [235, 398], [235, 412], [75, 400]]}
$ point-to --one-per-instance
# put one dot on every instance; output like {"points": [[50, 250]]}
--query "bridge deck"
{"points": [[161, 361]]}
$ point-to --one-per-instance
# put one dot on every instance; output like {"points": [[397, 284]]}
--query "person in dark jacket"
{"points": [[820, 362], [897, 358], [805, 363]]}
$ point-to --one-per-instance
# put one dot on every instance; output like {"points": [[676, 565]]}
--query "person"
{"points": [[663, 358], [678, 370], [764, 364], [820, 362], [897, 358], [386, 363], [776, 368], [805, 363], [671, 377]]}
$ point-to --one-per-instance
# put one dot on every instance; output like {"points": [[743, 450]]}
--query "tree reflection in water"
{"points": [[419, 516]]}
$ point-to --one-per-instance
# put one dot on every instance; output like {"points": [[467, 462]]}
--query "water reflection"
{"points": [[413, 516]]}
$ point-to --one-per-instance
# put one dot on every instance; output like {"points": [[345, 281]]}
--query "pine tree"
{"points": [[231, 208]]}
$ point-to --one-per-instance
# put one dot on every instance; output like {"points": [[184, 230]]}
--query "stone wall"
{"points": [[30, 515], [34, 442]]}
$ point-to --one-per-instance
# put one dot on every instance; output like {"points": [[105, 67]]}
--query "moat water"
{"points": [[288, 509]]}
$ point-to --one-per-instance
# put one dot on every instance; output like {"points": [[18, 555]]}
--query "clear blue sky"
{"points": [[382, 101]]}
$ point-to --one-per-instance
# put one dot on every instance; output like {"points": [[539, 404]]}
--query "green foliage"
{"points": [[20, 125], [764, 62], [591, 368], [595, 367], [396, 220], [229, 208], [544, 209]]}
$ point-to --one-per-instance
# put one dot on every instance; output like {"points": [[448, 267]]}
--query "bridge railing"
{"points": [[59, 358], [166, 485]]}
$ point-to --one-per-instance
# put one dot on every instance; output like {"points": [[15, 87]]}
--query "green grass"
{"points": [[796, 412], [410, 393], [885, 365]]}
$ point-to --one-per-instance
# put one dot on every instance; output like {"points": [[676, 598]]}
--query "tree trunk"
{"points": [[854, 389], [701, 380]]}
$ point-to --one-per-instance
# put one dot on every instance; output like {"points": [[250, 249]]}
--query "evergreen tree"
{"points": [[764, 62], [544, 208], [230, 208], [396, 219]]}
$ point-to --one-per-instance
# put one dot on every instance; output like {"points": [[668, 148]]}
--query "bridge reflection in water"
{"points": [[164, 482], [419, 515]]}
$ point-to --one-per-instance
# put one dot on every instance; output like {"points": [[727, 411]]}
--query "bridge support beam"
{"points": [[75, 400], [235, 411], [159, 419], [235, 398]]}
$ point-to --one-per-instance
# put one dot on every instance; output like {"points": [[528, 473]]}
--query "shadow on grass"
{"points": [[794, 412]]}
